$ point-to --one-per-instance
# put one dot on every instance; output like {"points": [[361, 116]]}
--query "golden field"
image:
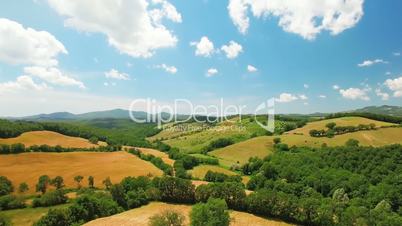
{"points": [[28, 167], [50, 138], [140, 217]]}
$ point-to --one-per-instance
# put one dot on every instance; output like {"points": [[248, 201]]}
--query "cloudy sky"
{"points": [[310, 55]]}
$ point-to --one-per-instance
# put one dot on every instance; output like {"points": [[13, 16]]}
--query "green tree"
{"points": [[330, 125], [352, 143], [57, 182], [107, 183], [55, 217], [6, 187], [78, 180], [91, 182], [23, 187], [94, 140], [167, 218], [277, 140], [42, 184], [213, 213]]}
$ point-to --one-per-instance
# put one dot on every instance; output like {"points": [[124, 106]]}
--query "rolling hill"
{"points": [[382, 110]]}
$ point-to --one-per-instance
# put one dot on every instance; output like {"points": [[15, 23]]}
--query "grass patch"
{"points": [[27, 216]]}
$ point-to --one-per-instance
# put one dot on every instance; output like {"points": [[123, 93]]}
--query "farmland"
{"points": [[140, 216], [28, 167], [343, 121], [50, 138], [263, 146]]}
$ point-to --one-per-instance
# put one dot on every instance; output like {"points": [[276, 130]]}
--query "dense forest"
{"points": [[347, 185]]}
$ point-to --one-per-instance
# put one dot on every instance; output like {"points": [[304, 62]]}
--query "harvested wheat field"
{"points": [[140, 217], [50, 138], [27, 167]]}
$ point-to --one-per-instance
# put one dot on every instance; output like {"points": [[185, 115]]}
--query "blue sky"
{"points": [[296, 64]]}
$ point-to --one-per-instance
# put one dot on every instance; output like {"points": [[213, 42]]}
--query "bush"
{"points": [[214, 213], [55, 217], [50, 199], [167, 218], [4, 221], [6, 187], [9, 202], [219, 143]]}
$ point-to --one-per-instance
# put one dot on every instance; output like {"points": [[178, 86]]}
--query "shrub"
{"points": [[214, 213], [9, 202], [167, 218], [55, 217], [6, 187], [50, 199]]}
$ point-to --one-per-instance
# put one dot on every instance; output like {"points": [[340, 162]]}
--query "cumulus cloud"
{"points": [[303, 97], [306, 86], [22, 83], [396, 54], [204, 47], [306, 18], [133, 27], [211, 72], [251, 68], [19, 45], [395, 85], [286, 98], [384, 96], [335, 87], [232, 50], [115, 74], [354, 94], [322, 96], [169, 69], [53, 75], [368, 63]]}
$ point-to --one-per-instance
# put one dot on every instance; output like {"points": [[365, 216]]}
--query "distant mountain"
{"points": [[383, 110], [109, 114]]}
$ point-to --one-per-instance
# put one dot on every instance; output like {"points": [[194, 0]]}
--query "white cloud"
{"points": [[306, 18], [286, 98], [368, 63], [115, 74], [395, 85], [22, 83], [322, 96], [335, 87], [204, 47], [53, 75], [388, 73], [384, 96], [232, 50], [306, 86], [134, 27], [354, 94], [251, 68], [19, 45], [303, 97], [211, 72], [169, 69], [396, 54]]}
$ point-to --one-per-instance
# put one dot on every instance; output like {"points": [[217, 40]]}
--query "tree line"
{"points": [[20, 148], [333, 129]]}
